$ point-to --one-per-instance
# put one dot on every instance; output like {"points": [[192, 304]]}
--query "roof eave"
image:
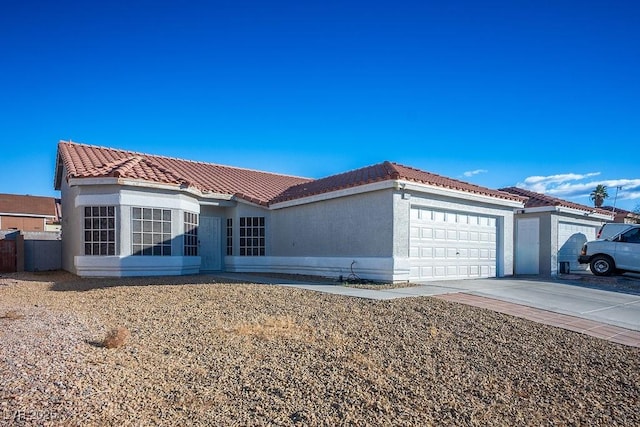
{"points": [[568, 210], [327, 195], [514, 202], [399, 184], [130, 182], [59, 169], [31, 215]]}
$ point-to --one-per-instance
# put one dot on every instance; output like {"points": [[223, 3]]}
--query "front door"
{"points": [[210, 247]]}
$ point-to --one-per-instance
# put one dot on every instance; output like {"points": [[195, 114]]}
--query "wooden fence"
{"points": [[8, 256]]}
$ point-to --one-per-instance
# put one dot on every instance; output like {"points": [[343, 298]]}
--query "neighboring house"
{"points": [[623, 216], [131, 214], [29, 213], [550, 231]]}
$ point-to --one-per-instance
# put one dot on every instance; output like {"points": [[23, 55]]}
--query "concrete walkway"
{"points": [[614, 316]]}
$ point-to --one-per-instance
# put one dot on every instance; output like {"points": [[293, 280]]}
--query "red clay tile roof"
{"points": [[87, 161], [384, 172], [536, 200], [28, 205], [618, 210]]}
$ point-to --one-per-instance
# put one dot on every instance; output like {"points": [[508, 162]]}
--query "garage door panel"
{"points": [[439, 271], [440, 234], [451, 245]]}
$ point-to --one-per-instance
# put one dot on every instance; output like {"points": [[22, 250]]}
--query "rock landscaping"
{"points": [[194, 351]]}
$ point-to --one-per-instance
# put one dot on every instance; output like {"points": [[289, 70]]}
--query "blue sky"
{"points": [[540, 94]]}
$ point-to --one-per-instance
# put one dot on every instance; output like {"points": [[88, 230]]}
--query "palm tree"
{"points": [[598, 195]]}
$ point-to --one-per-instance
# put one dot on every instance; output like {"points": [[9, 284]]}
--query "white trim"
{"points": [[240, 200], [122, 197], [219, 203], [116, 266], [372, 268], [404, 186], [162, 201], [383, 185], [566, 210], [460, 194], [26, 215], [93, 181], [97, 200], [148, 184]]}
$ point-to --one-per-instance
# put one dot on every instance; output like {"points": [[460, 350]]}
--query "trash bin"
{"points": [[564, 267]]}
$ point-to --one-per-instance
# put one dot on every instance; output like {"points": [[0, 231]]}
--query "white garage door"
{"points": [[451, 245], [571, 237]]}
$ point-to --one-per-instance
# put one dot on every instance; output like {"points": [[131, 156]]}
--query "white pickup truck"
{"points": [[616, 254]]}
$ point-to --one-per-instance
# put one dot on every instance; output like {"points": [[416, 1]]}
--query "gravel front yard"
{"points": [[207, 353]]}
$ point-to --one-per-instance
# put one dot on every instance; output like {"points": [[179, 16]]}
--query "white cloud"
{"points": [[560, 178], [573, 186], [469, 174]]}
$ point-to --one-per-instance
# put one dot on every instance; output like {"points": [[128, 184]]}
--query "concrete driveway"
{"points": [[572, 299]]}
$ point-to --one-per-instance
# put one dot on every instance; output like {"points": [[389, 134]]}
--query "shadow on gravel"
{"points": [[67, 282], [78, 284]]}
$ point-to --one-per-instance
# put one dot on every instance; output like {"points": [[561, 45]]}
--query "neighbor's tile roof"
{"points": [[28, 205], [87, 161], [536, 200], [383, 172], [618, 210]]}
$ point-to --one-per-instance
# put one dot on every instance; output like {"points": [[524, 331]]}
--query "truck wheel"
{"points": [[602, 265]]}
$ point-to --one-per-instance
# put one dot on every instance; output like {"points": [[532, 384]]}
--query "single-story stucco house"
{"points": [[128, 213], [550, 232], [29, 213], [622, 215]]}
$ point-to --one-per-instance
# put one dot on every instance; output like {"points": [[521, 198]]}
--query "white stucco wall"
{"points": [[550, 244], [365, 233], [71, 227], [364, 230], [331, 238], [359, 225], [75, 198]]}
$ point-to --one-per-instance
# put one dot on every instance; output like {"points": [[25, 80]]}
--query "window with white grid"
{"points": [[190, 234], [151, 231], [99, 230], [252, 236]]}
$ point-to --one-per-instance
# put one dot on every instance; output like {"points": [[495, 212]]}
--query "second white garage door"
{"points": [[571, 237], [451, 245]]}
